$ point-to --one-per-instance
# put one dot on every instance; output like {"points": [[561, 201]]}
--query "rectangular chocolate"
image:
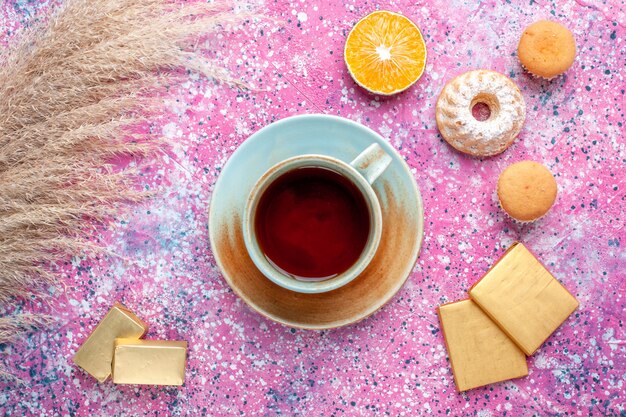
{"points": [[149, 362], [480, 353], [523, 298], [96, 353]]}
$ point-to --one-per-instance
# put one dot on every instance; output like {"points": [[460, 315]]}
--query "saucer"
{"points": [[402, 210]]}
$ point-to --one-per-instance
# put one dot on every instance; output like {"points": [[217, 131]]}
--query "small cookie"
{"points": [[526, 190], [546, 49], [505, 116]]}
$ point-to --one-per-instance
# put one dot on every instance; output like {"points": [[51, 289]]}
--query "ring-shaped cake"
{"points": [[464, 132]]}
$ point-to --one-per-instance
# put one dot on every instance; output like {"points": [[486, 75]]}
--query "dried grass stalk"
{"points": [[71, 98]]}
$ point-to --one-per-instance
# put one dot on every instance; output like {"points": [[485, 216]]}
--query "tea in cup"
{"points": [[312, 223]]}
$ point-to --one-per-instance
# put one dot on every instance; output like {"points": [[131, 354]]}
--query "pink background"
{"points": [[395, 362]]}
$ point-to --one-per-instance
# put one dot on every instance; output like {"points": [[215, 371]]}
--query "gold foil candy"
{"points": [[480, 353], [96, 353], [149, 362], [523, 298]]}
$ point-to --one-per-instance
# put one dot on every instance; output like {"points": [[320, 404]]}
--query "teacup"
{"points": [[312, 223]]}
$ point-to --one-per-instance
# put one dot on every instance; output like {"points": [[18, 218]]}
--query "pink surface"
{"points": [[395, 362]]}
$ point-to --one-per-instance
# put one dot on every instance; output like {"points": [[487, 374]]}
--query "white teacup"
{"points": [[361, 172]]}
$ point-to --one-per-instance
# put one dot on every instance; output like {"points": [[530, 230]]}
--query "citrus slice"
{"points": [[385, 53]]}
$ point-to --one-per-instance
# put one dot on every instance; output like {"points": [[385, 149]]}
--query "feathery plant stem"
{"points": [[72, 96]]}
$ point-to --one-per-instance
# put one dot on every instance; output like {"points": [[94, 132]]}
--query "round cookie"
{"points": [[526, 190], [546, 49], [466, 133]]}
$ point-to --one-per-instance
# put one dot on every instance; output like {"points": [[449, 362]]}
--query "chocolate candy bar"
{"points": [[480, 353], [96, 353], [523, 298], [149, 362]]}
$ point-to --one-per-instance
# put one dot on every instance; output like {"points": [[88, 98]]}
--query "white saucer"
{"points": [[403, 223]]}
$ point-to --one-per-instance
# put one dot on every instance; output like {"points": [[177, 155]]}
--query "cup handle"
{"points": [[372, 162]]}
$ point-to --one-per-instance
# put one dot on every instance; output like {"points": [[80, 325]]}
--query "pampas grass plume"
{"points": [[71, 97]]}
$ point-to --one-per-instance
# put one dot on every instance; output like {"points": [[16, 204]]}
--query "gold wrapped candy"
{"points": [[523, 298], [96, 353], [149, 362], [512, 310], [480, 353]]}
